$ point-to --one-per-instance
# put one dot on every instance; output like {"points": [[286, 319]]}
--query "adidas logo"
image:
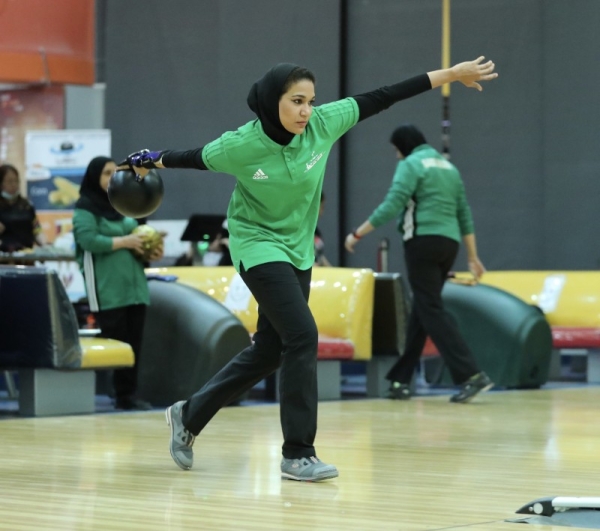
{"points": [[260, 175], [314, 159]]}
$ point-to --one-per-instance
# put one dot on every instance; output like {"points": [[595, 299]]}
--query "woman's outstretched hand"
{"points": [[470, 72]]}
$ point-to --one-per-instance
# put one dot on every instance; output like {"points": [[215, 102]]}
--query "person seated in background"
{"points": [[320, 258], [19, 225]]}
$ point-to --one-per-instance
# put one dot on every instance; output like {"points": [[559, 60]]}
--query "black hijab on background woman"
{"points": [[91, 195], [406, 138]]}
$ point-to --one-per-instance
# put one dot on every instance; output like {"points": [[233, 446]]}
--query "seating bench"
{"points": [[332, 348], [44, 391], [570, 302], [42, 342], [341, 301]]}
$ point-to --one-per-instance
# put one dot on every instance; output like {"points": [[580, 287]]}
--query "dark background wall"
{"points": [[178, 73], [570, 154]]}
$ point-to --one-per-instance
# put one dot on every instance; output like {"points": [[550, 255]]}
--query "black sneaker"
{"points": [[474, 385], [399, 391]]}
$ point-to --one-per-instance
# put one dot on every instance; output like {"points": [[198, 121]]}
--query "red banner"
{"points": [[47, 42]]}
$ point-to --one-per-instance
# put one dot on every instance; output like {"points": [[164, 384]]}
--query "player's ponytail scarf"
{"points": [[263, 99]]}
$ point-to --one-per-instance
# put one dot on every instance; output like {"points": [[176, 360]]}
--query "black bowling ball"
{"points": [[133, 198]]}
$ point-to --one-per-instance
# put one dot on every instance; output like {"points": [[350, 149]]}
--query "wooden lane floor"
{"points": [[425, 464]]}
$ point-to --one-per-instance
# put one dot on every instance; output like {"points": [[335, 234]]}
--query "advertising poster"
{"points": [[55, 163]]}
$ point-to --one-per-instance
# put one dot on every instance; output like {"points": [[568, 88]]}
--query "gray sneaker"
{"points": [[181, 439], [307, 469]]}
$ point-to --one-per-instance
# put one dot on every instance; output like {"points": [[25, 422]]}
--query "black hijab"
{"points": [[91, 195], [263, 99], [406, 138]]}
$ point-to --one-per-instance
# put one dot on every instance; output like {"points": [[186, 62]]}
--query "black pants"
{"points": [[124, 324], [428, 261], [286, 336]]}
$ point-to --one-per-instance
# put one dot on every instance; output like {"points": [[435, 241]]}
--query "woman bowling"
{"points": [[278, 160]]}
